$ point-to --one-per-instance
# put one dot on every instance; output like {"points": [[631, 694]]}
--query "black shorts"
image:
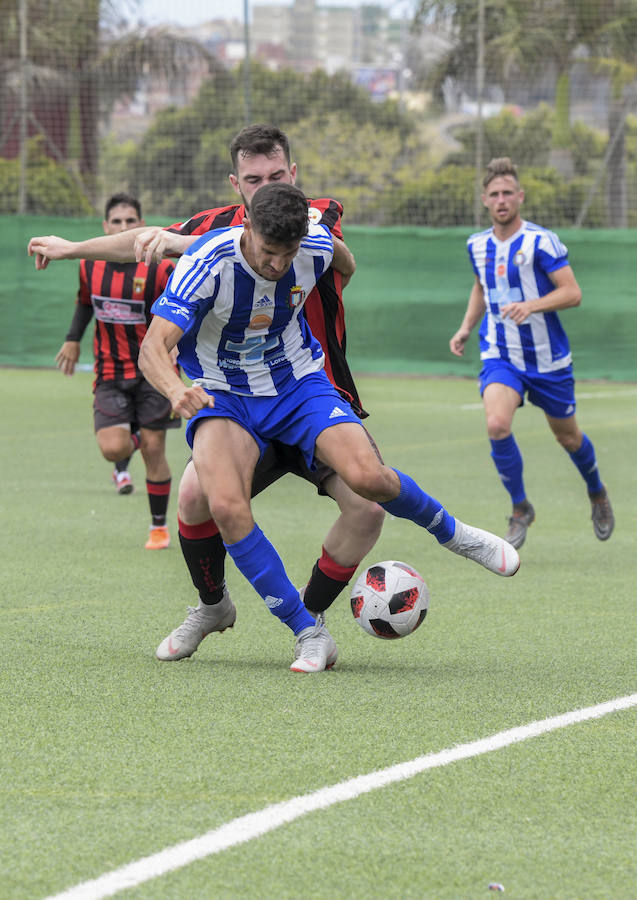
{"points": [[280, 459], [132, 400]]}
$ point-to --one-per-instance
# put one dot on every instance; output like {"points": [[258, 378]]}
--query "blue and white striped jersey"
{"points": [[242, 333], [513, 271]]}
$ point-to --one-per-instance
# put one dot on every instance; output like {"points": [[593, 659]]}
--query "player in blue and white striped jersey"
{"points": [[260, 154], [256, 341], [522, 277], [233, 307]]}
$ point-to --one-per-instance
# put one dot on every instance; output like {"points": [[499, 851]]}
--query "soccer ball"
{"points": [[390, 599]]}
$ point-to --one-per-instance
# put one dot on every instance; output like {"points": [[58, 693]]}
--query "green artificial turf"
{"points": [[109, 755]]}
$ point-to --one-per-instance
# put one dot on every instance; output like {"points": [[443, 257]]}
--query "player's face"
{"points": [[268, 259], [121, 218], [503, 198], [253, 171]]}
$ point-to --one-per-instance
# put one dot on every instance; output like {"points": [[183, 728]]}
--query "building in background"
{"points": [[373, 47], [311, 36]]}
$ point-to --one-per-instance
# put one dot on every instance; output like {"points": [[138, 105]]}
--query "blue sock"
{"points": [[508, 461], [256, 558], [584, 459], [412, 503]]}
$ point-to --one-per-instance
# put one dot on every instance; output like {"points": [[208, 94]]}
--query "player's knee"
{"points": [[571, 443], [231, 515], [364, 517], [369, 482], [112, 449], [498, 426], [192, 505], [373, 518], [152, 444], [154, 458]]}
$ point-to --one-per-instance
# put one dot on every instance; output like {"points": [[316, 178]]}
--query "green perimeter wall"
{"points": [[405, 301]]}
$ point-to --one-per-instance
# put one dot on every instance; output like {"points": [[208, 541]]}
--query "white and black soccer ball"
{"points": [[390, 599]]}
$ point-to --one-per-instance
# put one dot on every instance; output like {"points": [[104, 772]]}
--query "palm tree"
{"points": [[616, 49], [525, 39], [73, 62]]}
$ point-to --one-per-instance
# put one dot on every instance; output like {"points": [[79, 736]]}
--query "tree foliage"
{"points": [[51, 189], [522, 40], [74, 71], [344, 142], [387, 165]]}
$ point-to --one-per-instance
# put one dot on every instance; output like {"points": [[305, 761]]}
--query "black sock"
{"points": [[122, 465], [205, 558], [158, 497], [322, 590]]}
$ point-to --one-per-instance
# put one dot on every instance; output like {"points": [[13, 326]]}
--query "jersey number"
{"points": [[253, 348], [499, 297]]}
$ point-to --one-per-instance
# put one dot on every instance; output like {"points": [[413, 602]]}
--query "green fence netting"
{"points": [[405, 301]]}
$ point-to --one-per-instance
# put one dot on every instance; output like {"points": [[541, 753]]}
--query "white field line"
{"points": [[580, 395], [253, 825]]}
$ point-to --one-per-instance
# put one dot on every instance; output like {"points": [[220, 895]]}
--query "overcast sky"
{"points": [[191, 12]]}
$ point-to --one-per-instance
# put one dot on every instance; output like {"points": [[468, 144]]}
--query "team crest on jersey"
{"points": [[314, 215], [296, 296], [139, 284], [519, 259]]}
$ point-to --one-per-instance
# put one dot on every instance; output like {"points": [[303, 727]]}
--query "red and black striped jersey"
{"points": [[324, 304], [121, 296]]}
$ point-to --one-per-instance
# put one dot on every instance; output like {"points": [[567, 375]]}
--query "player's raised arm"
{"points": [[156, 243], [112, 247], [343, 260]]}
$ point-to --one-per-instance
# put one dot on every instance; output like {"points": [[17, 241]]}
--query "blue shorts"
{"points": [[295, 417], [553, 392]]}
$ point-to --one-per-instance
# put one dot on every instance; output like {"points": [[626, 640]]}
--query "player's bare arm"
{"points": [[567, 293], [67, 357], [343, 260], [475, 311], [158, 368], [112, 247], [157, 243]]}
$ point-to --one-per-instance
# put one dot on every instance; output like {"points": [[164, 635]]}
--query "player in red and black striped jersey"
{"points": [[120, 296]]}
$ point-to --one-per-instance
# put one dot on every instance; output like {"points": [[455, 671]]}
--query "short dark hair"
{"points": [[498, 168], [124, 198], [278, 212], [257, 140]]}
